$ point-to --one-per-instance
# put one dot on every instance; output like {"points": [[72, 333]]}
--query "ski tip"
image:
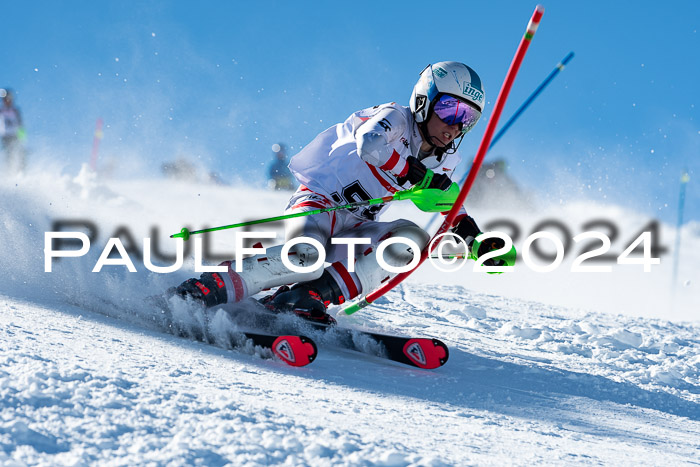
{"points": [[295, 350], [426, 353]]}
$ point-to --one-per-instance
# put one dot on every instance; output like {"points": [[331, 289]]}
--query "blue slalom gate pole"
{"points": [[685, 178], [560, 66]]}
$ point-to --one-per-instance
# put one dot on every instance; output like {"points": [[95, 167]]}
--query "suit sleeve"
{"points": [[376, 140]]}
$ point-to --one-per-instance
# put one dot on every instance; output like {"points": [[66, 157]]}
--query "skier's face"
{"points": [[440, 132]]}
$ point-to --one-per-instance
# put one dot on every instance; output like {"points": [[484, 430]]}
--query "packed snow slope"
{"points": [[544, 368]]}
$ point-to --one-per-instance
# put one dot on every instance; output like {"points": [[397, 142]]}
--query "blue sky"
{"points": [[220, 82]]}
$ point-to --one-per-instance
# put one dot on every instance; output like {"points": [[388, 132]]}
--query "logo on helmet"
{"points": [[473, 92], [420, 102], [440, 72]]}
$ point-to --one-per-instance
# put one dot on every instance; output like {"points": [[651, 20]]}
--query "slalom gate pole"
{"points": [[560, 66], [685, 178], [96, 144], [478, 159]]}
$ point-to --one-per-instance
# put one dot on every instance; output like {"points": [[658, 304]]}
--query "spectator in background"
{"points": [[280, 178], [493, 184], [12, 133]]}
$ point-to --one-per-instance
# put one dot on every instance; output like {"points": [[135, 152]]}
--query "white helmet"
{"points": [[453, 78]]}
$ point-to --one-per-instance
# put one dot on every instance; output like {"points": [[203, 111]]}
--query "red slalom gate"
{"points": [[476, 165]]}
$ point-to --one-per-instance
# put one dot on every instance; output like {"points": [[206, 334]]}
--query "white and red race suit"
{"points": [[360, 159]]}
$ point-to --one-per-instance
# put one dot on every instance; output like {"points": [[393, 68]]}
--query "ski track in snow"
{"points": [[526, 383]]}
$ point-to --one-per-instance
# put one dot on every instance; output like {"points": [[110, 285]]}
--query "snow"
{"points": [[556, 368]]}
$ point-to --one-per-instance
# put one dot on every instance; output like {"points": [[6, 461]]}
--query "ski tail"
{"points": [[420, 352], [425, 353], [294, 350]]}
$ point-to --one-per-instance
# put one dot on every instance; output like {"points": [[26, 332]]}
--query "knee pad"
{"points": [[305, 253]]}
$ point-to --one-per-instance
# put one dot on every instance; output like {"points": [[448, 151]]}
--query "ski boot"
{"points": [[308, 300], [209, 290]]}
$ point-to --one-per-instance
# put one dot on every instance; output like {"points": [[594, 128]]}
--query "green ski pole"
{"points": [[426, 199]]}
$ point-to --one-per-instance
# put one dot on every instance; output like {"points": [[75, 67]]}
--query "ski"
{"points": [[425, 353], [421, 352]]}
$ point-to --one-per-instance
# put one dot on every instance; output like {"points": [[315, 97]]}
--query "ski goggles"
{"points": [[452, 111]]}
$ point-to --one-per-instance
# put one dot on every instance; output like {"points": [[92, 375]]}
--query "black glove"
{"points": [[468, 230], [491, 244], [418, 174], [440, 181]]}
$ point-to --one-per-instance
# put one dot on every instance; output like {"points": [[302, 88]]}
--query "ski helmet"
{"points": [[452, 78]]}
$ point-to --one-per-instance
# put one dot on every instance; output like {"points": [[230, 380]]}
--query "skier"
{"points": [[11, 132], [375, 152]]}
